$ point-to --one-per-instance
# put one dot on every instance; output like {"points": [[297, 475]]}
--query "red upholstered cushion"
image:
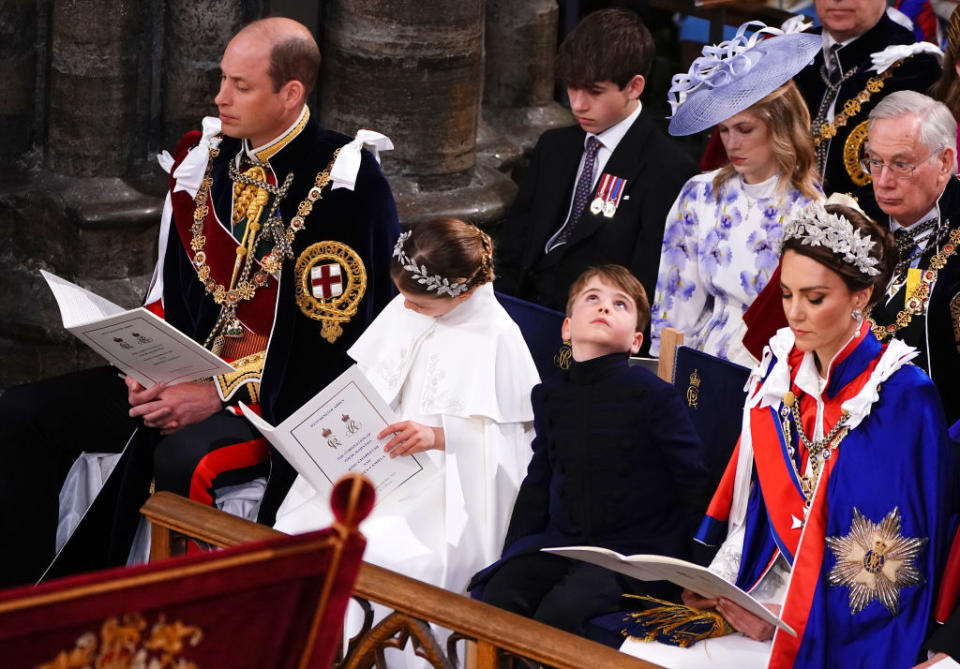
{"points": [[249, 606]]}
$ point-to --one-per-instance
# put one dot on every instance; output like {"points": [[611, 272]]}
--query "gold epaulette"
{"points": [[248, 370]]}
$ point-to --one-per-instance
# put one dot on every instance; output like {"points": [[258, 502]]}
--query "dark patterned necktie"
{"points": [[834, 72], [582, 193]]}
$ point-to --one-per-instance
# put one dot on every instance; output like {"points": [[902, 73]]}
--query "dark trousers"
{"points": [[560, 592], [44, 426]]}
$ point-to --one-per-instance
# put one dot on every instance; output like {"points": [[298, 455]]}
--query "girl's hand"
{"points": [[747, 623], [410, 437]]}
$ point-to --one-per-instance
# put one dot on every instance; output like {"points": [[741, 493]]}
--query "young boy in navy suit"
{"points": [[616, 463], [596, 192]]}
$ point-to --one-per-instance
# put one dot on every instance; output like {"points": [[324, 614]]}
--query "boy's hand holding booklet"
{"points": [[135, 341], [685, 574], [336, 432]]}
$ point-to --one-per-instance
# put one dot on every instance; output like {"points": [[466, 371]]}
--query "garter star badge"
{"points": [[875, 561], [331, 281]]}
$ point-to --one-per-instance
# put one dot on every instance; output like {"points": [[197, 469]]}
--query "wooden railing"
{"points": [[501, 639]]}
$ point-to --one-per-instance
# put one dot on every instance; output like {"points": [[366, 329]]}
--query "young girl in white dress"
{"points": [[447, 357]]}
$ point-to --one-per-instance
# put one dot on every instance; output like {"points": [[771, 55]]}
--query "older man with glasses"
{"points": [[911, 157], [866, 56]]}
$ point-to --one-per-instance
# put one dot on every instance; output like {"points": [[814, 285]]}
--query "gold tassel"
{"points": [[673, 624]]}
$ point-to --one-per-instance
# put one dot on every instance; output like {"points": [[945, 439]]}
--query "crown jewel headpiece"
{"points": [[815, 226], [432, 282]]}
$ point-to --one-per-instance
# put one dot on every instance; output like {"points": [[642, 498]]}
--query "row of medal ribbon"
{"points": [[608, 195]]}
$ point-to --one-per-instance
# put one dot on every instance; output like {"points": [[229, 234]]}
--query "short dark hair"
{"points": [[294, 58], [449, 248], [607, 45], [617, 276], [884, 250]]}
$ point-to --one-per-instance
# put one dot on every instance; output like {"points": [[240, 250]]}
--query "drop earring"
{"points": [[857, 315]]}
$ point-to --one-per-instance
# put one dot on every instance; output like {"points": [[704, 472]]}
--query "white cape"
{"points": [[470, 372]]}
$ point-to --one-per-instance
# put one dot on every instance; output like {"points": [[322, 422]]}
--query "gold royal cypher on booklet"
{"points": [[336, 431]]}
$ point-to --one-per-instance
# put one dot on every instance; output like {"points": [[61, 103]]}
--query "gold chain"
{"points": [[851, 107], [917, 302], [818, 451], [230, 297]]}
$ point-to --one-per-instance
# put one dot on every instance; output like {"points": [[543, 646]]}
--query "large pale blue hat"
{"points": [[733, 75]]}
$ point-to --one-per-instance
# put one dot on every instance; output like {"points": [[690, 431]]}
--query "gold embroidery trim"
{"points": [[955, 318], [273, 149], [693, 391], [916, 304], [851, 154], [248, 371], [336, 310], [851, 107], [124, 643]]}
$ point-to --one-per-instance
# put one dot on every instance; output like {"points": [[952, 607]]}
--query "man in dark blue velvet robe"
{"points": [[273, 255]]}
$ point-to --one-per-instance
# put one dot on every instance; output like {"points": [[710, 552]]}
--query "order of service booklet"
{"points": [[135, 341], [335, 432], [685, 574]]}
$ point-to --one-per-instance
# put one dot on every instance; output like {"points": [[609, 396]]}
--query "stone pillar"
{"points": [[78, 216], [92, 86], [518, 105], [413, 70], [18, 75], [197, 32]]}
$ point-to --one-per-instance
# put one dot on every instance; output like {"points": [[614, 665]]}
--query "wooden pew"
{"points": [[502, 639]]}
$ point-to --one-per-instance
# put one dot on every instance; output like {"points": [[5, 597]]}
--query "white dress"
{"points": [[470, 372], [718, 254]]}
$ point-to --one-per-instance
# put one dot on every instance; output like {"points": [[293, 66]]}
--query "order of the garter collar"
{"points": [[432, 282], [815, 226]]}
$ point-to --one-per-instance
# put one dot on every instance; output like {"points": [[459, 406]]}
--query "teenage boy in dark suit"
{"points": [[596, 192]]}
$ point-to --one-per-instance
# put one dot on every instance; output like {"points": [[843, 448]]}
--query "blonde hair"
{"points": [[788, 123]]}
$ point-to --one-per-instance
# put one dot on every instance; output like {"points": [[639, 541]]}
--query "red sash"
{"points": [[782, 493]]}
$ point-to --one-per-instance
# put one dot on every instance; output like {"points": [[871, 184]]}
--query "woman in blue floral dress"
{"points": [[721, 236]]}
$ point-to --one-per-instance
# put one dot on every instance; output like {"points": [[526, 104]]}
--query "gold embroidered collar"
{"points": [[270, 149]]}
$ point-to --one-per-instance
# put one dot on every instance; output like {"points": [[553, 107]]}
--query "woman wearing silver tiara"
{"points": [[447, 357], [835, 507], [720, 239]]}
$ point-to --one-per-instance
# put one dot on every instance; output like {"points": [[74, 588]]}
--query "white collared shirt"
{"points": [[609, 140]]}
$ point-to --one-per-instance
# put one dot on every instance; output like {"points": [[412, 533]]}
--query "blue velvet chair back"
{"points": [[714, 392], [540, 327]]}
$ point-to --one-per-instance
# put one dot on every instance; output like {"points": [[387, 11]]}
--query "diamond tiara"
{"points": [[432, 282], [815, 226]]}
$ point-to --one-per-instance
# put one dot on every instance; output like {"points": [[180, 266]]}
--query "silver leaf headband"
{"points": [[432, 282], [814, 226]]}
